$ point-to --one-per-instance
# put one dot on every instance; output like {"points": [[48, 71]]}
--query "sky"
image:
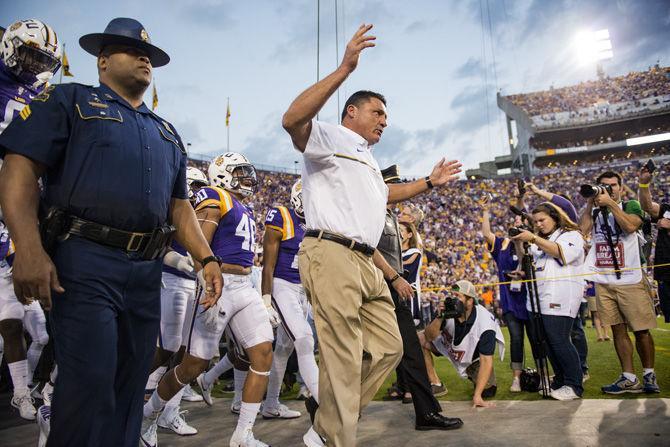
{"points": [[438, 62]]}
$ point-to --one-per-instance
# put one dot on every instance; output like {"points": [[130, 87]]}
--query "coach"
{"points": [[115, 177], [345, 199]]}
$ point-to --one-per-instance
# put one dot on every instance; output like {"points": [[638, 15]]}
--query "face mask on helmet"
{"points": [[34, 64], [244, 179], [296, 198]]}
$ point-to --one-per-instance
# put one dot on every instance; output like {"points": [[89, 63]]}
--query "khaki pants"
{"points": [[359, 340]]}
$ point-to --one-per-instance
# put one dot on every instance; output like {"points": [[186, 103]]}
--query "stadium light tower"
{"points": [[594, 47]]}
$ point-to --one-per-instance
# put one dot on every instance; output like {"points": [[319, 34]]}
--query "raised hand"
{"points": [[445, 171], [358, 43]]}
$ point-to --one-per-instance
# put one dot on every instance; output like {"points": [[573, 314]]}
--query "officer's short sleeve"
{"points": [[321, 143], [180, 189], [41, 131]]}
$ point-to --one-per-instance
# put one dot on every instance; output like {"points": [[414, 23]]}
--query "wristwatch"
{"points": [[209, 259]]}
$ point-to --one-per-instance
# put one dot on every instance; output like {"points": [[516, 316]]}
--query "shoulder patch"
{"points": [[25, 112], [45, 94]]}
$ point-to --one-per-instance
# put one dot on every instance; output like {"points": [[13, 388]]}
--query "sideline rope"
{"points": [[553, 278]]}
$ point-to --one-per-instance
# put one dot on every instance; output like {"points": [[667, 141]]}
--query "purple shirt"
{"points": [[14, 96], [235, 237], [293, 231], [6, 247], [506, 260]]}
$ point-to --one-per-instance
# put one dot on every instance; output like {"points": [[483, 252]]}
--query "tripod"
{"points": [[537, 336]]}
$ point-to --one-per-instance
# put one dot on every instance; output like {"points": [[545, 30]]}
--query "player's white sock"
{"points": [[173, 404], [240, 378], [153, 405], [34, 353], [155, 377], [646, 371], [221, 366], [279, 361], [19, 372], [248, 413], [630, 376]]}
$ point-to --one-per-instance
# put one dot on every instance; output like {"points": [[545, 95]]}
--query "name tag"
{"points": [[515, 286]]}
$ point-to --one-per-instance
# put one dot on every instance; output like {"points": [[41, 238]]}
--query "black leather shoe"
{"points": [[312, 406], [436, 421]]}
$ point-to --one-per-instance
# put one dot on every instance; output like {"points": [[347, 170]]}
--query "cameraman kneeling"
{"points": [[466, 333], [558, 254]]}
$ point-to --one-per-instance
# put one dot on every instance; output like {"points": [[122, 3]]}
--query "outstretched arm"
{"points": [[297, 120], [443, 172]]}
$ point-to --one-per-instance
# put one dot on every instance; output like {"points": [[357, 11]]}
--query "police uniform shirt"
{"points": [[343, 189], [106, 161]]}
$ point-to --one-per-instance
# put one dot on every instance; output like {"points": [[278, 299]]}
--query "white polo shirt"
{"points": [[343, 190]]}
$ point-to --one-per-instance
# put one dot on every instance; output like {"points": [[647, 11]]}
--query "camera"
{"points": [[590, 191], [453, 308], [515, 231]]}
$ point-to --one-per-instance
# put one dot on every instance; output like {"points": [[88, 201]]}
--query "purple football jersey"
{"points": [[235, 237], [293, 231], [14, 96]]}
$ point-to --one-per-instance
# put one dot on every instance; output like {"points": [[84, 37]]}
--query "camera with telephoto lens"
{"points": [[590, 191], [453, 308]]}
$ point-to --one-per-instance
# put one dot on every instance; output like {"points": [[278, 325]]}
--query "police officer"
{"points": [[115, 177]]}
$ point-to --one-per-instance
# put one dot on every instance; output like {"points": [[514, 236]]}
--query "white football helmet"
{"points": [[296, 198], [31, 51], [195, 179], [233, 172]]}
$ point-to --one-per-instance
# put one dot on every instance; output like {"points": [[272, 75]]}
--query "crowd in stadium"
{"points": [[451, 231], [633, 87]]}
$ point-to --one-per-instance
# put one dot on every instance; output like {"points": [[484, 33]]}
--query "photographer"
{"points": [[512, 296], [624, 296], [660, 214], [558, 254], [467, 334]]}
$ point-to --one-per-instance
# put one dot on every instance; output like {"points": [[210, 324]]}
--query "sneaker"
{"points": [[235, 407], [516, 386], [190, 395], [313, 439], [438, 390], [206, 391], [623, 385], [47, 393], [176, 422], [44, 424], [149, 436], [650, 385], [280, 412], [35, 392], [245, 438], [303, 394], [564, 393], [25, 404]]}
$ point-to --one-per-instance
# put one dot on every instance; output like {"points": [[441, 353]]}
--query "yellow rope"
{"points": [[601, 272]]}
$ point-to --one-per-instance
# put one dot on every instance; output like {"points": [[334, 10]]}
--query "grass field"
{"points": [[603, 369]]}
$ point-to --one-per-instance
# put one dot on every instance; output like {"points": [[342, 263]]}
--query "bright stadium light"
{"points": [[648, 139], [593, 46]]}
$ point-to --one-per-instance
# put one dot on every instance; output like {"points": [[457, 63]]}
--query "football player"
{"points": [[284, 231], [178, 289], [30, 57], [229, 226]]}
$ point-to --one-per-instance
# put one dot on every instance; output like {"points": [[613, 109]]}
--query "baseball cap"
{"points": [[466, 288]]}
